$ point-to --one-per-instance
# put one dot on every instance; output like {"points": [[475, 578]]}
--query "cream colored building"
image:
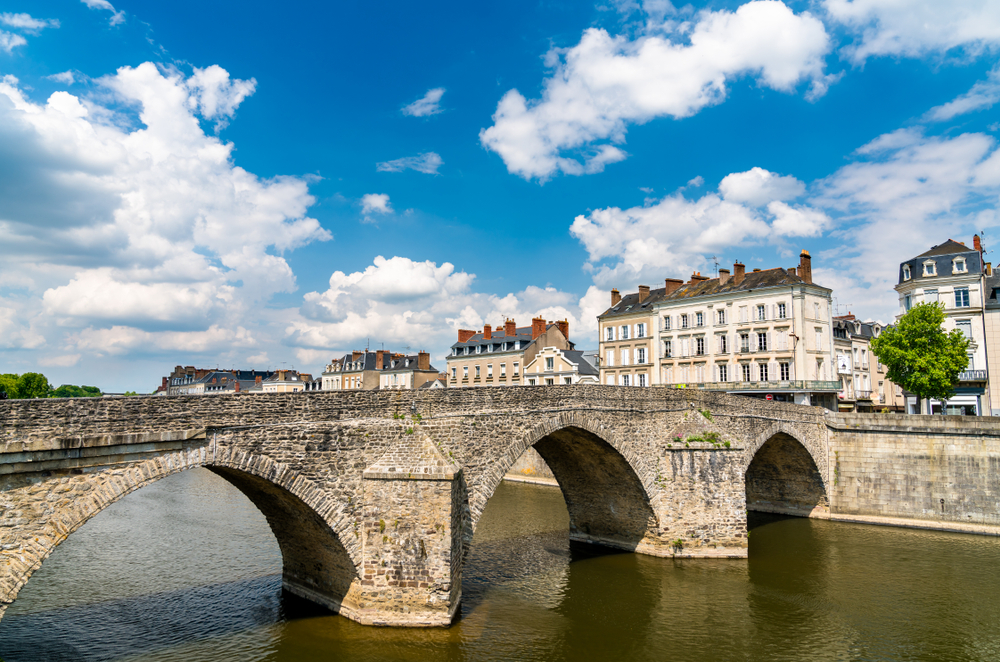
{"points": [[552, 365], [357, 371], [627, 339], [285, 381], [407, 372], [498, 358], [864, 386]]}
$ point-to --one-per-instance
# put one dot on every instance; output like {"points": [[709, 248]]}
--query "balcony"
{"points": [[863, 395], [775, 386], [972, 376]]}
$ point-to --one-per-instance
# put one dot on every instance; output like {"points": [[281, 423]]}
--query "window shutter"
{"points": [[753, 343], [770, 342]]}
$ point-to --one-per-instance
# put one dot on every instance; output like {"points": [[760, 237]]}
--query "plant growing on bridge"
{"points": [[920, 356]]}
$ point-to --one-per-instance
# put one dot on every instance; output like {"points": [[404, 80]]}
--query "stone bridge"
{"points": [[374, 496]]}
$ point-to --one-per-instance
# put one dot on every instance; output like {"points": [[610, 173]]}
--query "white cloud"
{"points": [[139, 231], [9, 41], [60, 361], [375, 203], [428, 105], [798, 221], [604, 83], [428, 163], [981, 96], [758, 187], [65, 77], [116, 16], [916, 27], [27, 23]]}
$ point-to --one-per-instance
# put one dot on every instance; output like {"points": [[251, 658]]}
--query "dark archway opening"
{"points": [[783, 479]]}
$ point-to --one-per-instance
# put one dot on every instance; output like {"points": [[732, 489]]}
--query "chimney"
{"points": [[164, 382], [380, 359], [258, 380], [739, 271], [696, 277], [792, 272], [976, 243], [643, 293], [465, 334], [215, 380], [805, 267], [756, 271], [356, 355], [424, 361], [670, 285], [510, 328], [237, 386], [989, 268], [537, 327], [563, 327], [723, 276], [615, 298], [487, 332]]}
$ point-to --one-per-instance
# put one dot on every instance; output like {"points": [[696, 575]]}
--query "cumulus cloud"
{"points": [[126, 223], [981, 96], [428, 105], [60, 361], [65, 77], [428, 163], [758, 187], [116, 16], [375, 203], [27, 23], [9, 41], [606, 82], [798, 221], [915, 28]]}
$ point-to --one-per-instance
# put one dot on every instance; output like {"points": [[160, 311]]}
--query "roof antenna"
{"points": [[716, 260]]}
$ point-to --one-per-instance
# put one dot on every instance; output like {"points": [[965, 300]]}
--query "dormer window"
{"points": [[930, 268], [959, 266], [906, 272]]}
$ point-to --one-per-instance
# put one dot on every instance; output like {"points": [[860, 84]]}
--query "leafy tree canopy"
{"points": [[71, 391], [8, 384], [920, 356], [28, 385]]}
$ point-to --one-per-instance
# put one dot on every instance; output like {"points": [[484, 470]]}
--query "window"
{"points": [[609, 358], [815, 311], [722, 316], [782, 313], [906, 272], [930, 295], [465, 372], [746, 372], [609, 333], [744, 342], [550, 363], [640, 330], [965, 326], [479, 349], [958, 266], [549, 381], [723, 373], [930, 268], [489, 370], [961, 297], [477, 372], [972, 362], [624, 357], [454, 372], [819, 338], [666, 322], [567, 380], [762, 342], [699, 319], [624, 333], [516, 364], [723, 344], [762, 370], [531, 382], [907, 302], [503, 369], [699, 346], [625, 380], [684, 321], [760, 313], [642, 380], [783, 371], [640, 355], [668, 348], [517, 345], [743, 313]]}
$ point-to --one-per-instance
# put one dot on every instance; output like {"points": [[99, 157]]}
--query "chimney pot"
{"points": [[643, 293], [739, 272], [424, 361], [615, 298], [510, 328], [487, 332], [537, 327], [671, 285], [805, 267], [379, 359]]}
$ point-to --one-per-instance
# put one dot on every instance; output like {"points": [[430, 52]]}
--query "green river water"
{"points": [[187, 569]]}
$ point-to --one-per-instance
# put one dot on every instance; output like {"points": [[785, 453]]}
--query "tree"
{"points": [[920, 356], [8, 384], [33, 385], [71, 391]]}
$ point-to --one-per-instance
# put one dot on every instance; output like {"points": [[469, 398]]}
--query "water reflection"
{"points": [[186, 569]]}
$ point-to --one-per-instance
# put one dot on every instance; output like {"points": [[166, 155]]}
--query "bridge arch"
{"points": [[315, 563], [785, 475], [607, 487]]}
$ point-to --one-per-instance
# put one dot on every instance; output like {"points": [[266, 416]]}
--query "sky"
{"points": [[253, 186]]}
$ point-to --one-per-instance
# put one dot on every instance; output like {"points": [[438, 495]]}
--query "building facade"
{"points": [[498, 358], [188, 380], [552, 365], [765, 333], [357, 371], [406, 372], [955, 276], [863, 383], [285, 381]]}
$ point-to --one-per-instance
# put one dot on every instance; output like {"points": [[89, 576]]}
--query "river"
{"points": [[187, 569]]}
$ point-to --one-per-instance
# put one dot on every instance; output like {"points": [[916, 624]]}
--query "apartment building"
{"points": [[406, 372], [284, 381], [498, 358], [357, 371], [956, 276], [552, 365], [188, 380], [627, 343], [863, 383]]}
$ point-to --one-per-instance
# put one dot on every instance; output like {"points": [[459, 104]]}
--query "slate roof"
{"points": [[366, 361], [401, 364], [867, 328], [754, 280], [585, 367], [522, 333], [942, 255], [992, 290]]}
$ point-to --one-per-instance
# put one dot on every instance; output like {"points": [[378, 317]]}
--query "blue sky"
{"points": [[239, 185]]}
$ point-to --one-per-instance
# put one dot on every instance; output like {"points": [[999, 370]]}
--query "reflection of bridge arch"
{"points": [[315, 563], [605, 483], [784, 475]]}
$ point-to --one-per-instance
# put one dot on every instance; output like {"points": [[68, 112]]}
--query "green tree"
{"points": [[920, 356], [71, 391], [33, 385], [8, 384]]}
